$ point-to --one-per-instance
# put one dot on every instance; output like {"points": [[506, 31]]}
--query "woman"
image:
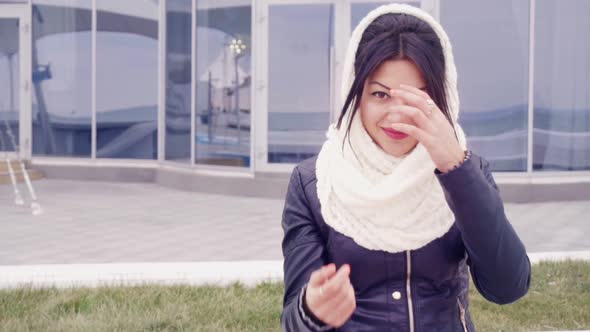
{"points": [[383, 228]]}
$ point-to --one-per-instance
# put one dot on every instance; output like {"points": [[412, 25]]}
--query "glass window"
{"points": [[561, 136], [490, 43], [300, 60], [62, 79], [223, 83], [9, 83], [359, 10], [178, 80], [127, 79]]}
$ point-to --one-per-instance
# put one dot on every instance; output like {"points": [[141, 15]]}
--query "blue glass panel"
{"points": [[490, 43], [561, 136], [62, 79], [127, 79], [9, 84], [300, 62], [178, 80], [223, 83]]}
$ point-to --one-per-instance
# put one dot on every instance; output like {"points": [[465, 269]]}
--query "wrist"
{"points": [[456, 162]]}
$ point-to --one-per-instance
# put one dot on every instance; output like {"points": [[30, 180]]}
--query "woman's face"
{"points": [[377, 99]]}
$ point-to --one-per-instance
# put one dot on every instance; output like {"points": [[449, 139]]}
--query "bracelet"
{"points": [[467, 156]]}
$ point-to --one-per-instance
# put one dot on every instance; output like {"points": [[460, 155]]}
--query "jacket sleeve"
{"points": [[497, 258], [303, 252]]}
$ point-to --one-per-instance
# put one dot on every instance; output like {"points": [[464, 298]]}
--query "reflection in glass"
{"points": [[561, 136], [127, 79], [490, 45], [223, 84], [300, 59], [178, 80], [61, 65], [9, 83]]}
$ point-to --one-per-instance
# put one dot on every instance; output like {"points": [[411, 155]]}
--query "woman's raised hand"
{"points": [[330, 296], [431, 127]]}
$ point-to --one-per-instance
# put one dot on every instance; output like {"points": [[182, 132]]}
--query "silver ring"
{"points": [[431, 105]]}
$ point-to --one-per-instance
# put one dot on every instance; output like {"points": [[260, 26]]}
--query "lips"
{"points": [[394, 134]]}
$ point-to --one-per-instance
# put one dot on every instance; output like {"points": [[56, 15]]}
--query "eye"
{"points": [[380, 94]]}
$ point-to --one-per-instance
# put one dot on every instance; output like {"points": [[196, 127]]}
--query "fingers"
{"points": [[334, 285], [335, 290], [413, 131], [338, 302], [413, 113], [318, 277], [330, 302], [343, 309], [415, 97], [415, 90]]}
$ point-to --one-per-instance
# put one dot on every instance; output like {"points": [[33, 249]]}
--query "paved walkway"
{"points": [[97, 222], [95, 233]]}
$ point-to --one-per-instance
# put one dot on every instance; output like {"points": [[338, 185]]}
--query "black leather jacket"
{"points": [[433, 281]]}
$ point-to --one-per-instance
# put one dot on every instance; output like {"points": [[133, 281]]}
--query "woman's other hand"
{"points": [[330, 295]]}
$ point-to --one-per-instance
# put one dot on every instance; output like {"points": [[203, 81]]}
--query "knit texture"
{"points": [[383, 202]]}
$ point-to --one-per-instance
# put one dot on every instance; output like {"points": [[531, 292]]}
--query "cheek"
{"points": [[371, 121], [372, 114]]}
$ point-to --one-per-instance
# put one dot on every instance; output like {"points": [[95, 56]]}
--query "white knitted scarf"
{"points": [[380, 201]]}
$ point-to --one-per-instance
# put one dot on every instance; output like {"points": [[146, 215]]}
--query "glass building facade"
{"points": [[251, 85]]}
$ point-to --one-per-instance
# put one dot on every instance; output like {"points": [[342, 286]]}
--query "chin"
{"points": [[397, 154], [396, 149], [399, 150]]}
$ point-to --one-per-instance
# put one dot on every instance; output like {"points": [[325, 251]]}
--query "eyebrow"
{"points": [[388, 88], [382, 85]]}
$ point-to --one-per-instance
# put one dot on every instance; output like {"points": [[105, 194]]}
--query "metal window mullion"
{"points": [[162, 81], [25, 81], [253, 65], [342, 31], [260, 44], [193, 78], [531, 99], [432, 7], [93, 82]]}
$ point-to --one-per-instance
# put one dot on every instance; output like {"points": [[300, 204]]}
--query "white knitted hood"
{"points": [[450, 69], [383, 202]]}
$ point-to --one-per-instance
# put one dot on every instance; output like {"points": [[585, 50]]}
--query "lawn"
{"points": [[559, 299]]}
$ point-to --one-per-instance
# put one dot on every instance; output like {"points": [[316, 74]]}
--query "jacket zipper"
{"points": [[462, 311], [409, 290]]}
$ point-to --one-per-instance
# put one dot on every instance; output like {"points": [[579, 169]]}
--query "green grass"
{"points": [[559, 298]]}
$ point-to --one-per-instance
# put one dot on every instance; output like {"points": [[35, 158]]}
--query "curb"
{"points": [[249, 273], [556, 256]]}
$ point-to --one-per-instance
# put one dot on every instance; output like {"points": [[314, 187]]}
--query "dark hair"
{"points": [[399, 36]]}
